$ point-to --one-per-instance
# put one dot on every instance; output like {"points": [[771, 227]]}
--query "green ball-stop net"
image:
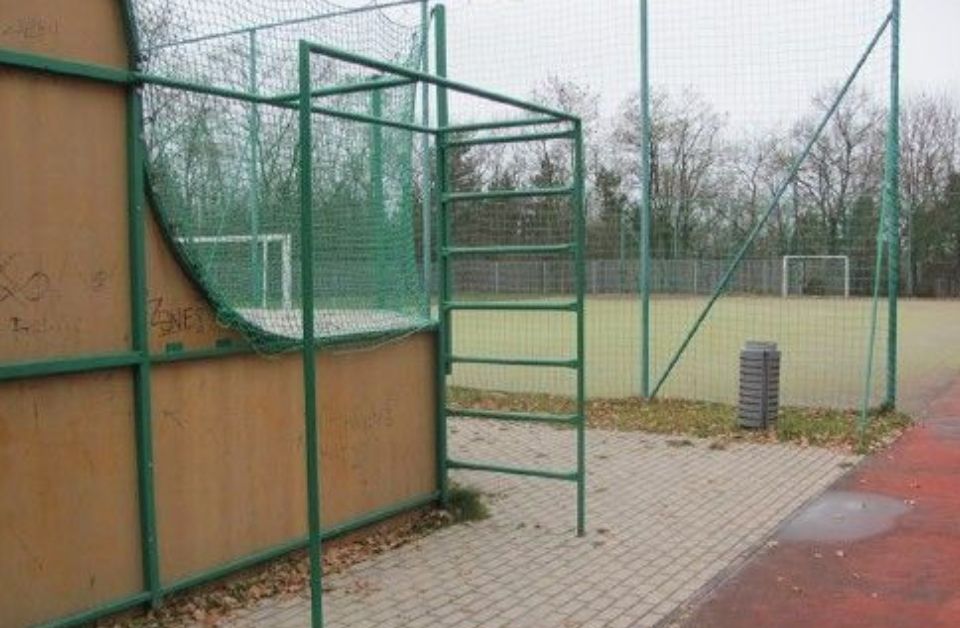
{"points": [[224, 173]]}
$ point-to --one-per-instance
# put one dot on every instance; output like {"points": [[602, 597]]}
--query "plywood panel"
{"points": [[64, 278], [84, 30], [229, 447], [378, 410], [69, 527], [229, 459]]}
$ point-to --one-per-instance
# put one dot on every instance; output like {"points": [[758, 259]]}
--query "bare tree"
{"points": [[929, 150], [846, 163]]}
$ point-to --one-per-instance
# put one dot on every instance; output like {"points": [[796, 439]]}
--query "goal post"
{"points": [[796, 267], [263, 243]]}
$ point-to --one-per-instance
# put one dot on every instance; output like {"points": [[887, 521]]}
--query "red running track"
{"points": [[880, 549]]}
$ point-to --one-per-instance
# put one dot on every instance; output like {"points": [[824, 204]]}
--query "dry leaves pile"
{"points": [[283, 577], [818, 427]]}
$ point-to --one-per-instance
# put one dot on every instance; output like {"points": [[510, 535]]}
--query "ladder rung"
{"points": [[571, 476], [532, 306], [512, 139], [498, 194], [466, 359], [530, 417], [532, 249]]}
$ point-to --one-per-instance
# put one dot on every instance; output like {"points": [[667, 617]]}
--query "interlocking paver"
{"points": [[662, 522]]}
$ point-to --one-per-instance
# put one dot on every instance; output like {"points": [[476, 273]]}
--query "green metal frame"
{"points": [[448, 197], [311, 413], [140, 339], [140, 359]]}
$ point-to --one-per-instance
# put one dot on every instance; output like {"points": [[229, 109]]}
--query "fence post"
{"points": [[426, 219], [253, 172], [444, 185], [140, 341], [892, 203], [309, 355], [646, 201]]}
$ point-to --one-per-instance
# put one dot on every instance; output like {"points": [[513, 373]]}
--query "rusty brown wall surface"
{"points": [[228, 432], [69, 530], [229, 447], [64, 270]]}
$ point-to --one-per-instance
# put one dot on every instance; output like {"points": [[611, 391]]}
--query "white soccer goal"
{"points": [[816, 275], [264, 242]]}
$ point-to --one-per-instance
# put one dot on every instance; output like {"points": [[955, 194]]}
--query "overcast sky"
{"points": [[931, 45], [756, 61]]}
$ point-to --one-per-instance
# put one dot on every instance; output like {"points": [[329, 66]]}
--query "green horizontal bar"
{"points": [[463, 88], [500, 194], [40, 63], [501, 124], [570, 476], [91, 363], [532, 249], [460, 359], [106, 74], [225, 569], [246, 562], [347, 88], [64, 366], [376, 516], [346, 527], [196, 88], [511, 139], [201, 354], [123, 77], [527, 417], [88, 617], [268, 100], [533, 306], [360, 117]]}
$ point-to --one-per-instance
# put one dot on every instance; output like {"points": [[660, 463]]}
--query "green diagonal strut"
{"points": [[774, 203]]}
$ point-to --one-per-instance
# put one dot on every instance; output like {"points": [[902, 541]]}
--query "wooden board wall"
{"points": [[69, 530], [228, 433], [230, 458]]}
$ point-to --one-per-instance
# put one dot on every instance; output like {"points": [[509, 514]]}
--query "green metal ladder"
{"points": [[572, 250]]}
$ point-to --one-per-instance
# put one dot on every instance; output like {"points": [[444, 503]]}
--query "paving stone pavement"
{"points": [[665, 516]]}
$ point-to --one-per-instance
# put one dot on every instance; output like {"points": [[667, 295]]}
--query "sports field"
{"points": [[823, 342]]}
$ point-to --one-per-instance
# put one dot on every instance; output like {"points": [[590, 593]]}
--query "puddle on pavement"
{"points": [[844, 516]]}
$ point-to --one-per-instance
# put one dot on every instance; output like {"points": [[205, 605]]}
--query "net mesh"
{"points": [[738, 88], [224, 173]]}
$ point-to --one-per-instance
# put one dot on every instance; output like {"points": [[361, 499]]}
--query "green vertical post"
{"points": [[140, 340], [579, 209], [253, 142], [377, 209], [891, 202], [311, 431], [426, 236], [646, 205], [443, 233]]}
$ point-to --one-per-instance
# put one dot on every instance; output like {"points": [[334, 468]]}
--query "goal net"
{"points": [[815, 276], [269, 256], [224, 170]]}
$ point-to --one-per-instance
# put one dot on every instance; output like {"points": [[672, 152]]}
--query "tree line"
{"points": [[711, 183]]}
